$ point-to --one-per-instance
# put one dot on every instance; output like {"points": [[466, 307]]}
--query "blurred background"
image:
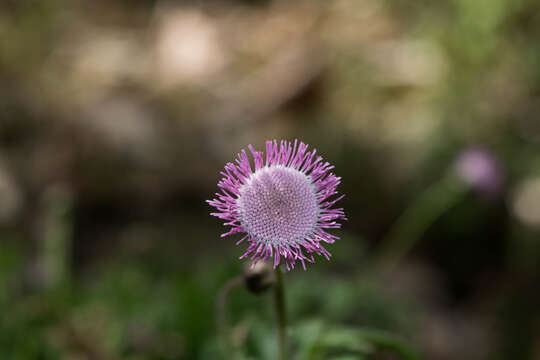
{"points": [[117, 116]]}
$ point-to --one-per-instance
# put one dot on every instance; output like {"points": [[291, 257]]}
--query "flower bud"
{"points": [[258, 277]]}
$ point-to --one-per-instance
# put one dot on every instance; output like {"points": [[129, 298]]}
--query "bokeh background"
{"points": [[117, 116]]}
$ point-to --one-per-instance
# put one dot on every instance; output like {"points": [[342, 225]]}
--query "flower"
{"points": [[283, 206], [480, 169]]}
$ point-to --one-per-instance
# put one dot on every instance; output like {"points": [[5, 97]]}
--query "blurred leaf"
{"points": [[314, 339], [349, 339], [307, 335], [384, 340]]}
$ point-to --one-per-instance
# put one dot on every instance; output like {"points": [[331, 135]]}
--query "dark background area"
{"points": [[116, 118]]}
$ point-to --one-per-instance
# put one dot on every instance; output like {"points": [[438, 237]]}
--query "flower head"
{"points": [[480, 169], [283, 205]]}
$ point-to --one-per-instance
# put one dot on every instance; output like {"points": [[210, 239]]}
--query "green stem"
{"points": [[416, 220], [279, 297]]}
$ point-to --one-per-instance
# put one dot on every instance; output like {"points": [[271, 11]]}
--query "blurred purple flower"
{"points": [[283, 206], [480, 169]]}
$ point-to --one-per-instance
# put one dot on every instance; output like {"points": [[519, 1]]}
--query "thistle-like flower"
{"points": [[283, 206], [481, 170]]}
